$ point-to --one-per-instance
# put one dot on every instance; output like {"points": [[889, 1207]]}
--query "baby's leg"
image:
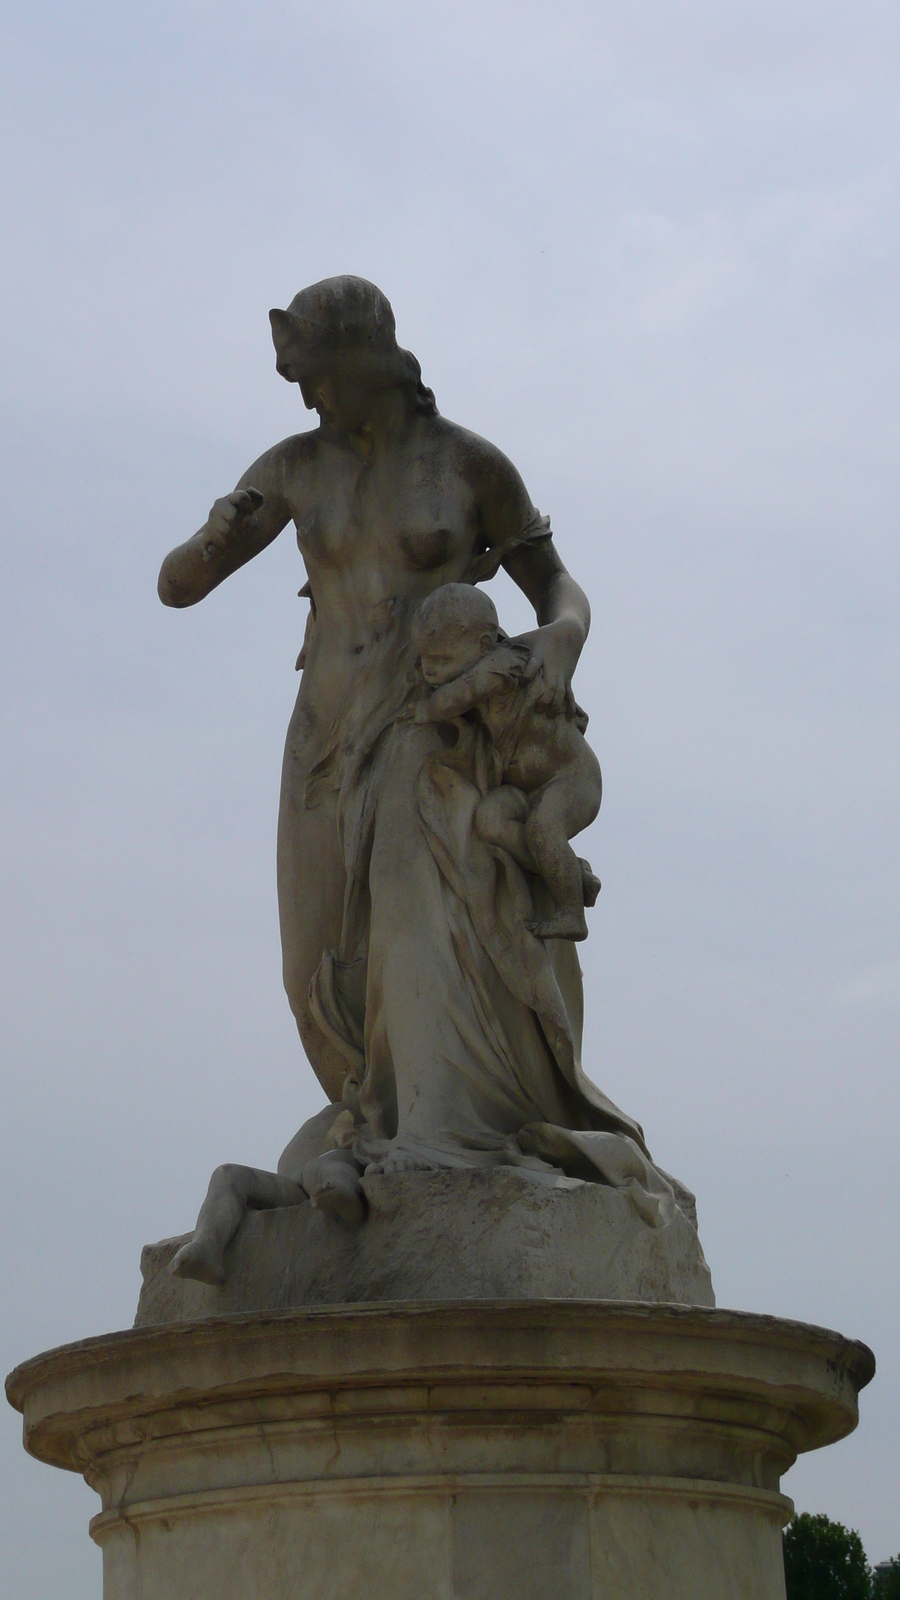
{"points": [[232, 1189], [500, 819], [561, 810]]}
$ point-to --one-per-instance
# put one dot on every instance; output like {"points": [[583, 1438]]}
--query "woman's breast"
{"points": [[425, 549], [348, 542]]}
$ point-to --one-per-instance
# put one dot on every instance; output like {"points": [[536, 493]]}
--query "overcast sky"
{"points": [[650, 249]]}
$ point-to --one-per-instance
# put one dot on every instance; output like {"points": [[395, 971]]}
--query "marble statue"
{"points": [[435, 772], [463, 1341]]}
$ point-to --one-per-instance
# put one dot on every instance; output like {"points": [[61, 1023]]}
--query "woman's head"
{"points": [[453, 629], [338, 338]]}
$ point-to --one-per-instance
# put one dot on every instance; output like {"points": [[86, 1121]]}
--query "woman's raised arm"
{"points": [[238, 527]]}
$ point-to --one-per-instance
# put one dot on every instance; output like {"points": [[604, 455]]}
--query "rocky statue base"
{"points": [[494, 1234], [451, 1451]]}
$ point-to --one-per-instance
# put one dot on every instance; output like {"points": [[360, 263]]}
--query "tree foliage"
{"points": [[886, 1585], [823, 1560]]}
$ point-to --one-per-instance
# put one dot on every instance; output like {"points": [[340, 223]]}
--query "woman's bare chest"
{"points": [[412, 517]]}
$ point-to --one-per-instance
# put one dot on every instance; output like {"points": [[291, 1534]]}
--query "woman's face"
{"points": [[340, 398]]}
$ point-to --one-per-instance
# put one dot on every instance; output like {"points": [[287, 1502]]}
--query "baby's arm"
{"points": [[453, 699], [498, 670]]}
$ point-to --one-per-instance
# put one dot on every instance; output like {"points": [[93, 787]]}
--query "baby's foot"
{"points": [[564, 925], [201, 1260], [590, 883], [336, 1188]]}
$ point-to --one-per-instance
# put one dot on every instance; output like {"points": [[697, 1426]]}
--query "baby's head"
{"points": [[453, 629]]}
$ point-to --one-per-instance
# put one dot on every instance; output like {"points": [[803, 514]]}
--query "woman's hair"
{"points": [[345, 321]]}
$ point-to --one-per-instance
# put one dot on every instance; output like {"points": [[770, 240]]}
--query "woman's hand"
{"points": [[238, 527], [555, 649], [227, 520]]}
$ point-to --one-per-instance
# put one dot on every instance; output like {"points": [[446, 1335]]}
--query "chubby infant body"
{"points": [[551, 786]]}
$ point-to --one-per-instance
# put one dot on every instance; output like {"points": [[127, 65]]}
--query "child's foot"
{"points": [[200, 1260], [590, 883], [564, 925], [335, 1187]]}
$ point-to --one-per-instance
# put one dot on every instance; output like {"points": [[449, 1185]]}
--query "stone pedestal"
{"points": [[527, 1450], [495, 1234]]}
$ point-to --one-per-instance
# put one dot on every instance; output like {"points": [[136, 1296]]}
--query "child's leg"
{"points": [[232, 1190], [561, 810], [500, 819]]}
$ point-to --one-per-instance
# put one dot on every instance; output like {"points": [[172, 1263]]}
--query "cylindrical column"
{"points": [[510, 1451]]}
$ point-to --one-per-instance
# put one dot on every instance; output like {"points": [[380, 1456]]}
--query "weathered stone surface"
{"points": [[537, 1451], [491, 1234], [501, 1426], [435, 774]]}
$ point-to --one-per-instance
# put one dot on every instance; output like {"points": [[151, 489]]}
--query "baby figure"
{"points": [[551, 778]]}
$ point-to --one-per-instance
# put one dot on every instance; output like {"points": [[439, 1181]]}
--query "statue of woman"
{"points": [[445, 1031]]}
